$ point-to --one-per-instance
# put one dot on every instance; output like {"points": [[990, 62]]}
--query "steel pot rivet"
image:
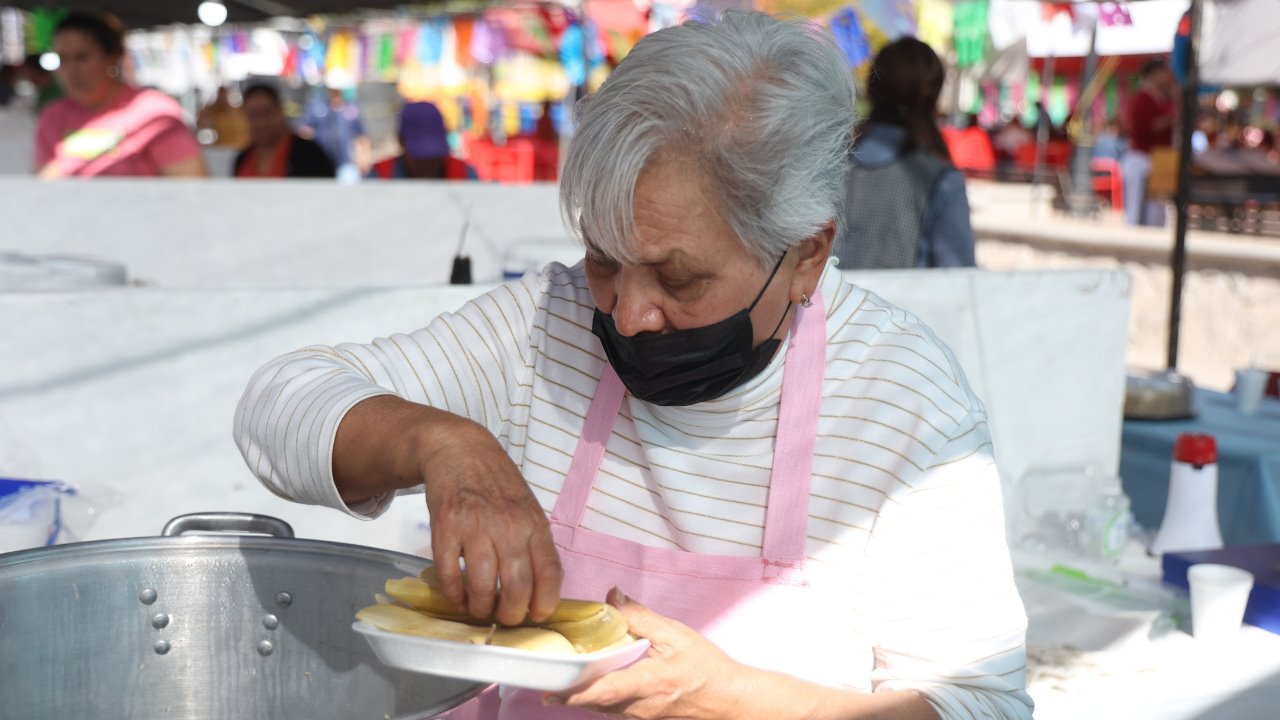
{"points": [[161, 647], [160, 621], [284, 599], [270, 622], [147, 596], [265, 648]]}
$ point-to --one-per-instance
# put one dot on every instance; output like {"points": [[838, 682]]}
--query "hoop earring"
{"points": [[113, 71], [805, 302]]}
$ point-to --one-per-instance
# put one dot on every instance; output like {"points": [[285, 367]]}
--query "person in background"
{"points": [[337, 127], [8, 84], [424, 144], [1109, 144], [46, 85], [275, 151], [1150, 118], [227, 121], [906, 204], [1202, 138], [1268, 145], [546, 145], [1009, 140], [545, 129], [104, 126], [1231, 136]]}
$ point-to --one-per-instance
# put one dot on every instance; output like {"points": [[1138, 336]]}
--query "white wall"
{"points": [[1044, 349], [136, 388], [230, 234]]}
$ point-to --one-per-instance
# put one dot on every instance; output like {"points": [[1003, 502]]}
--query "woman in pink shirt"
{"points": [[104, 126]]}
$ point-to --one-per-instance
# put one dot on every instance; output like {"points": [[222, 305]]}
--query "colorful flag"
{"points": [[971, 32], [936, 20], [849, 36], [1114, 14]]}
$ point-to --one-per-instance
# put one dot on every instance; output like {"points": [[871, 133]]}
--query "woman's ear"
{"points": [[811, 259]]}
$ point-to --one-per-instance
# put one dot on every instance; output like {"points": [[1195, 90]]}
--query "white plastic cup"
{"points": [[1250, 386], [1219, 594]]}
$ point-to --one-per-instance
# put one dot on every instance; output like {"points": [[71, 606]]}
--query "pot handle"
{"points": [[228, 522]]}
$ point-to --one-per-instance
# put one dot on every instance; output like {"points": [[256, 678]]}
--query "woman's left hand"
{"points": [[684, 674]]}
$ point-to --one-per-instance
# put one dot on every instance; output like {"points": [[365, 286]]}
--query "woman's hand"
{"points": [[684, 675], [483, 511]]}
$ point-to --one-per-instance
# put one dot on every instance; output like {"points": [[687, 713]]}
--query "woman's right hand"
{"points": [[482, 510]]}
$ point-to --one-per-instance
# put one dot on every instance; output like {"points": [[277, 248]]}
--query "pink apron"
{"points": [[763, 611]]}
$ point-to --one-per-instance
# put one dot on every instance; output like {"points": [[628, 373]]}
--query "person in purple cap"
{"points": [[424, 144]]}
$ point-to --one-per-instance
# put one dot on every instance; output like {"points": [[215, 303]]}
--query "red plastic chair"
{"points": [[1107, 181], [512, 163], [546, 160], [1057, 154], [971, 149], [1025, 157]]}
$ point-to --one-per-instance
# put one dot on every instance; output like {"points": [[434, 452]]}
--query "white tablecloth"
{"points": [[1086, 662]]}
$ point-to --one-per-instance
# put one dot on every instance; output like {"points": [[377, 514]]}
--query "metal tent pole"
{"points": [[1190, 103], [1081, 200]]}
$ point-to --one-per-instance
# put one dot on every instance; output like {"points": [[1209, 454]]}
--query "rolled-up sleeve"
{"points": [[473, 363], [947, 621]]}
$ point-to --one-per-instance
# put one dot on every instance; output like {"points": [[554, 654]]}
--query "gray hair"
{"points": [[763, 106]]}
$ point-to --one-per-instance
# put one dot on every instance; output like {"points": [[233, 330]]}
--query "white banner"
{"points": [[1239, 42]]}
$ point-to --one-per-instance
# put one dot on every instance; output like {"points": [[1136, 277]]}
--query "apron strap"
{"points": [[590, 451], [786, 523]]}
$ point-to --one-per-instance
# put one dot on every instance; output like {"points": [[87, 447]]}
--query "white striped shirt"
{"points": [[905, 493]]}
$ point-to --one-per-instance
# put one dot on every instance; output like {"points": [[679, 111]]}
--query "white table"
{"points": [[1077, 670]]}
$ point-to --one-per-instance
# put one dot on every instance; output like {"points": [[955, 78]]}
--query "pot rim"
{"points": [[157, 543]]}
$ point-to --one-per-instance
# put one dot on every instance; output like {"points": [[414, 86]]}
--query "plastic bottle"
{"points": [[1106, 521], [1191, 513]]}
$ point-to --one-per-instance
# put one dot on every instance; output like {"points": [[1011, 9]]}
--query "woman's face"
{"points": [[85, 72], [691, 270]]}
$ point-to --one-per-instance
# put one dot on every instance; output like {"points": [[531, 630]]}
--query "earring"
{"points": [[805, 302], [113, 71]]}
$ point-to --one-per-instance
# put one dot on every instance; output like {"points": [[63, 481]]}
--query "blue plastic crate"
{"points": [[1261, 560]]}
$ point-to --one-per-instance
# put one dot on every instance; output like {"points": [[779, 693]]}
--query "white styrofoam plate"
{"points": [[491, 664]]}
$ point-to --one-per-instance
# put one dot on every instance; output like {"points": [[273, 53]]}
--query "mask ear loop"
{"points": [[766, 287], [767, 282]]}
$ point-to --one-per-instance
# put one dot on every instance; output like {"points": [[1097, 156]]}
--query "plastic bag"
{"points": [[36, 513]]}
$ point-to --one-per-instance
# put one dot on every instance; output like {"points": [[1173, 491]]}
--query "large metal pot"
{"points": [[203, 627]]}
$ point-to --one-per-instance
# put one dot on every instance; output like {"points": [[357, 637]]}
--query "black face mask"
{"points": [[684, 367]]}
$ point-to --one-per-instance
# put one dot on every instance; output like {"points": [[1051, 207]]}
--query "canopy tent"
{"points": [[149, 13], [1238, 43], [1146, 28]]}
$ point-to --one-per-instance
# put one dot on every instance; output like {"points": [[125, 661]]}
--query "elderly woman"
{"points": [[788, 477]]}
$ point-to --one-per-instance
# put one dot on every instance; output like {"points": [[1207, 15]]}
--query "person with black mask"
{"points": [[763, 466], [906, 205]]}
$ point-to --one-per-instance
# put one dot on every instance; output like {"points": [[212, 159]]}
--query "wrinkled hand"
{"points": [[483, 511], [684, 674]]}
